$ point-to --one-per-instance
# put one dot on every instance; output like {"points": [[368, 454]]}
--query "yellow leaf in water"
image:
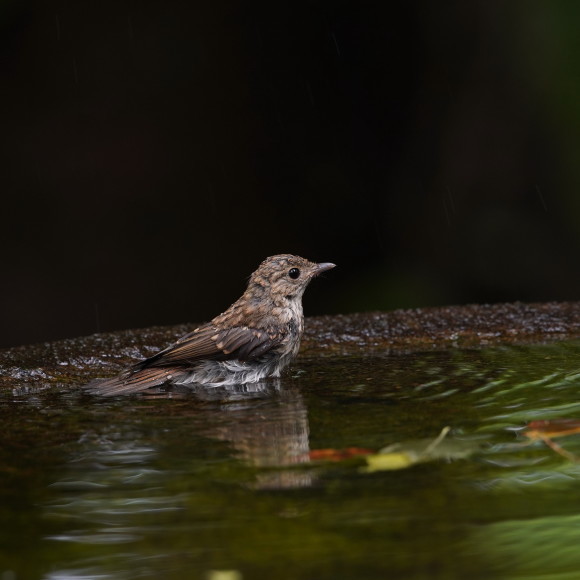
{"points": [[224, 575], [408, 453], [389, 462]]}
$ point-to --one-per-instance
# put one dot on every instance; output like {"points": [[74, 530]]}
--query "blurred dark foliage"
{"points": [[153, 153]]}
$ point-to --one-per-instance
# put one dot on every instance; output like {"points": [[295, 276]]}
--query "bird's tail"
{"points": [[134, 380]]}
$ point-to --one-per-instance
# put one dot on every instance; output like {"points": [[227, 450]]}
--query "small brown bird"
{"points": [[255, 338]]}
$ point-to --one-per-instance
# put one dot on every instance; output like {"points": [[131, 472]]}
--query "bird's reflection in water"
{"points": [[122, 475], [265, 422]]}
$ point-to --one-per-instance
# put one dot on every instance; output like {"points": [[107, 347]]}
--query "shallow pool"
{"points": [[222, 484]]}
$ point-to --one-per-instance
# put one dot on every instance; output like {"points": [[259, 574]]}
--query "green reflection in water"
{"points": [[174, 488]]}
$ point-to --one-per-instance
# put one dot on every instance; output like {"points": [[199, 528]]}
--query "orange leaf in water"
{"points": [[337, 454], [552, 428], [546, 430]]}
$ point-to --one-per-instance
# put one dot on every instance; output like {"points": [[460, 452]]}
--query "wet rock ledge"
{"points": [[471, 326], [80, 359]]}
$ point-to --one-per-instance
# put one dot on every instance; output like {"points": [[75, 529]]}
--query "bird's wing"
{"points": [[211, 343], [204, 343]]}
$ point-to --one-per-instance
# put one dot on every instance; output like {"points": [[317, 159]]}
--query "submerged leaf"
{"points": [[408, 453], [337, 454], [552, 428], [389, 461], [224, 575], [547, 429]]}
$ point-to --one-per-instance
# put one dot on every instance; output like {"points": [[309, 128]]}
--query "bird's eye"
{"points": [[294, 273]]}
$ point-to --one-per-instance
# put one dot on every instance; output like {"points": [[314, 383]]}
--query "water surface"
{"points": [[198, 485]]}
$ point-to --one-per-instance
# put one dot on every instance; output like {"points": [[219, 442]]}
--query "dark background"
{"points": [[153, 153]]}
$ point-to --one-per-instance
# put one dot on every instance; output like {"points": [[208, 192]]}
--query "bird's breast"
{"points": [[284, 314]]}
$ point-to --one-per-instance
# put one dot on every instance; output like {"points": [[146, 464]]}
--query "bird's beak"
{"points": [[323, 267]]}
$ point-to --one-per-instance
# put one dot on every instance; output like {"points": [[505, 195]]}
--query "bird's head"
{"points": [[286, 276]]}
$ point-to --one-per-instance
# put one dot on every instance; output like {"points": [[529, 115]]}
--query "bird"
{"points": [[255, 338]]}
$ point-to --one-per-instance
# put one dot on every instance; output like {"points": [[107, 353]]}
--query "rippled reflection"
{"points": [[181, 483]]}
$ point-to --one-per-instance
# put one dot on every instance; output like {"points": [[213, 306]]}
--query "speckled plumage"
{"points": [[255, 338]]}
